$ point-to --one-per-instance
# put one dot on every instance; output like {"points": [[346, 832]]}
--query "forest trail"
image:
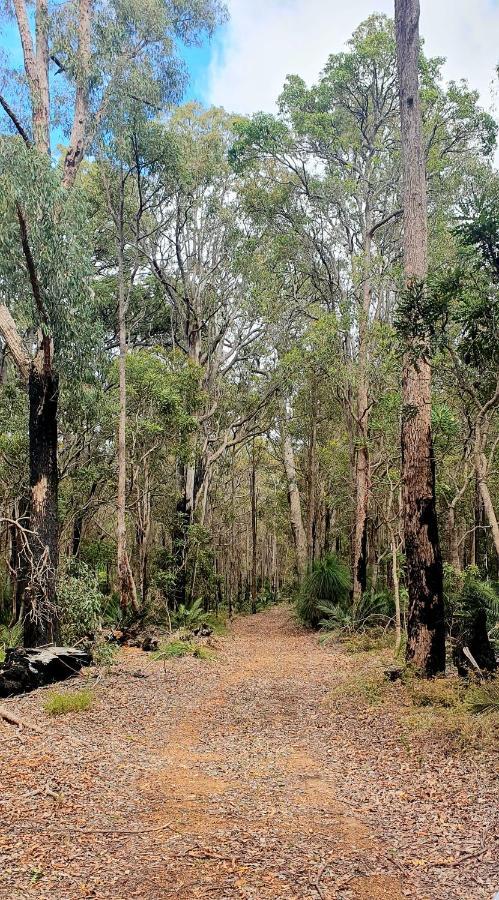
{"points": [[237, 778]]}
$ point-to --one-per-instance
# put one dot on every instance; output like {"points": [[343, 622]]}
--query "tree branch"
{"points": [[14, 119]]}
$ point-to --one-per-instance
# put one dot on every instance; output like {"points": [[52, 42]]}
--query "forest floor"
{"points": [[271, 772]]}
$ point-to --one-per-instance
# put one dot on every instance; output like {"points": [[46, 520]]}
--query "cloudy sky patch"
{"points": [[265, 40]]}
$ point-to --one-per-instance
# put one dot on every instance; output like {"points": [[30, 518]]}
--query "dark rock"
{"points": [[394, 673], [150, 644], [202, 631]]}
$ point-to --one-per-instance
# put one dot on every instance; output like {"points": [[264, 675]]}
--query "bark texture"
{"points": [[362, 464], [40, 623], [295, 513], [425, 621], [127, 589]]}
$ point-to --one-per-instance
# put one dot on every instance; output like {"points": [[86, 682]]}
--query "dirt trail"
{"points": [[238, 778]]}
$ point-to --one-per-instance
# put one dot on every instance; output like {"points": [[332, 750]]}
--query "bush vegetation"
{"points": [[58, 704]]}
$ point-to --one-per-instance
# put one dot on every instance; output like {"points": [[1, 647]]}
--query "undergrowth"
{"points": [[10, 636], [370, 688], [178, 648], [457, 714], [104, 655], [58, 704]]}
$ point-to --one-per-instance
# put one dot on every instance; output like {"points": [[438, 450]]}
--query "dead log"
{"points": [[25, 669]]}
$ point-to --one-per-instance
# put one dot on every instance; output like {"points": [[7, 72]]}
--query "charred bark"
{"points": [[42, 541], [425, 621]]}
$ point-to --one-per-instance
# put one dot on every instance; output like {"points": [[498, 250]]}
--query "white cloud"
{"points": [[266, 40]]}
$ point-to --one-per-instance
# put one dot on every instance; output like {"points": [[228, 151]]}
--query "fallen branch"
{"points": [[14, 720]]}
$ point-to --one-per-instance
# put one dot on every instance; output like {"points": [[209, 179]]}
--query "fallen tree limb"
{"points": [[14, 720]]}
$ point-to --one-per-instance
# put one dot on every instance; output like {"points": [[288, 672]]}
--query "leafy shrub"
{"points": [[58, 704], [370, 611], [472, 609], [325, 591], [189, 617], [80, 602], [483, 698], [104, 654]]}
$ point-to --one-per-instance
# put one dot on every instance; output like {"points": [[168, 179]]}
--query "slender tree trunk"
{"points": [[481, 467], [126, 581], [312, 477], [362, 468], [143, 529], [18, 560], [425, 624], [452, 540], [41, 621], [254, 526], [295, 514]]}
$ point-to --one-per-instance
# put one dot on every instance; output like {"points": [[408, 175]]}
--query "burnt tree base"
{"points": [[25, 669]]}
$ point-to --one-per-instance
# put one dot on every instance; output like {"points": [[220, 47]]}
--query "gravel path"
{"points": [[239, 778]]}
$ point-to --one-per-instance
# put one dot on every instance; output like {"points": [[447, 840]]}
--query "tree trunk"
{"points": [[362, 474], [126, 581], [425, 624], [485, 495], [295, 513], [453, 545], [312, 477], [41, 622], [254, 523]]}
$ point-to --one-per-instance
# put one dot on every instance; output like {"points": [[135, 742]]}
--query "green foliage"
{"points": [[372, 640], [466, 594], [189, 617], [372, 609], [59, 704], [483, 698], [104, 655], [10, 636], [80, 601], [56, 222], [203, 653], [218, 623], [325, 589], [174, 649]]}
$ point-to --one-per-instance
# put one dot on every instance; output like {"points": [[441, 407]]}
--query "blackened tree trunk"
{"points": [[41, 622], [425, 622]]}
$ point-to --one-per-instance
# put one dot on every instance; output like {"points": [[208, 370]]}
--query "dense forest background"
{"points": [[204, 319]]}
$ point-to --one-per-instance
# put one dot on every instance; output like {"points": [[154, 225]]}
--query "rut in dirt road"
{"points": [[239, 778]]}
